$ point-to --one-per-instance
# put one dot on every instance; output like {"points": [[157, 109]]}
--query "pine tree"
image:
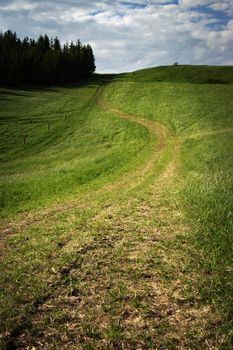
{"points": [[43, 61]]}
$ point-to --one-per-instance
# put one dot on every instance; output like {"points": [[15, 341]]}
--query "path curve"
{"points": [[158, 135]]}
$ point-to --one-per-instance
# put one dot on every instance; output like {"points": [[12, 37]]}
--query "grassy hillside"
{"points": [[56, 141], [201, 117], [185, 73], [117, 212]]}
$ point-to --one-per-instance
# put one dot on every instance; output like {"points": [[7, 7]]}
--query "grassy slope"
{"points": [[201, 115], [144, 261], [184, 73], [82, 145]]}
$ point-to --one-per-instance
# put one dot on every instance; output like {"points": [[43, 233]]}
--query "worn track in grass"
{"points": [[129, 281], [158, 135]]}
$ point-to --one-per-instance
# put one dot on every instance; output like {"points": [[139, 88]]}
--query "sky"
{"points": [[134, 34]]}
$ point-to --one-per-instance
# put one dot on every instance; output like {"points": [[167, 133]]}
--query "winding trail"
{"points": [[125, 287], [130, 180], [158, 135]]}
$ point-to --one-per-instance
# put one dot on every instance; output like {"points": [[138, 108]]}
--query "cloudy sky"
{"points": [[133, 34]]}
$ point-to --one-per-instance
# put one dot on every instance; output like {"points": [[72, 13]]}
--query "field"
{"points": [[117, 212]]}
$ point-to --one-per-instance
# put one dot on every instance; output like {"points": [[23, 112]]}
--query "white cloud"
{"points": [[194, 3], [18, 6], [219, 6], [126, 38], [225, 6]]}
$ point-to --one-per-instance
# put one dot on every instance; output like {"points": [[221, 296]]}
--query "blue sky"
{"points": [[133, 34]]}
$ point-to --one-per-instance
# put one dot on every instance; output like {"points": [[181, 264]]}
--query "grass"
{"points": [[130, 245], [77, 150], [184, 73], [202, 117]]}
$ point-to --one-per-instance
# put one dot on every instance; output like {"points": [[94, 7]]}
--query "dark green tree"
{"points": [[43, 61]]}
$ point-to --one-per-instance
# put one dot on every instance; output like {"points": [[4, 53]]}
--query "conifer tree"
{"points": [[43, 61]]}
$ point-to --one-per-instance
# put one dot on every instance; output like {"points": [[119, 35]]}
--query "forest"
{"points": [[43, 61]]}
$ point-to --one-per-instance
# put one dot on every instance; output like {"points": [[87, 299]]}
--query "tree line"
{"points": [[43, 61]]}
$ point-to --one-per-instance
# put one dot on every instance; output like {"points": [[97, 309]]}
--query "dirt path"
{"points": [[158, 135], [127, 287]]}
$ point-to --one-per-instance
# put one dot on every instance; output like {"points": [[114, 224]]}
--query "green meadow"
{"points": [[56, 141], [117, 212]]}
